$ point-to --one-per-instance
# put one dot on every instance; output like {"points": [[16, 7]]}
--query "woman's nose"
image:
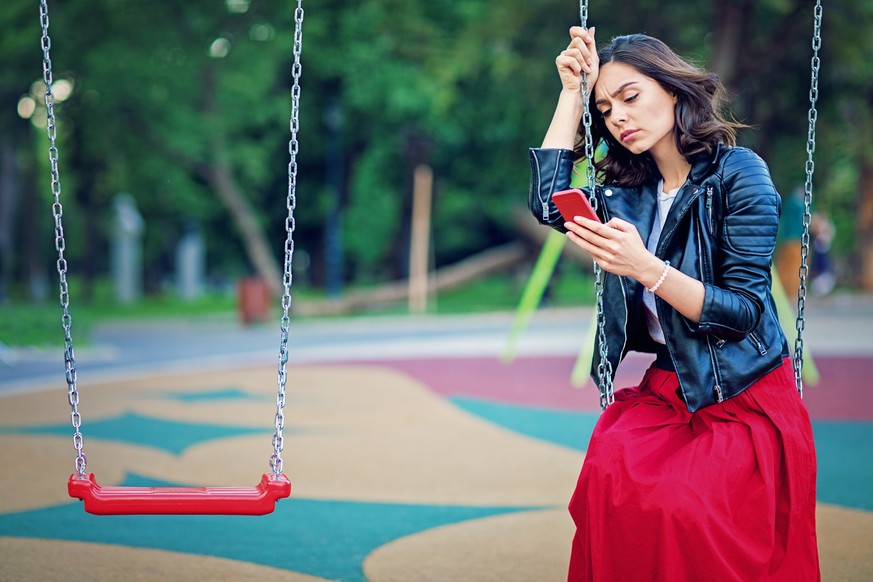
{"points": [[618, 115]]}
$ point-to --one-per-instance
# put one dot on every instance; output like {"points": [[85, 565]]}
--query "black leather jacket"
{"points": [[721, 230]]}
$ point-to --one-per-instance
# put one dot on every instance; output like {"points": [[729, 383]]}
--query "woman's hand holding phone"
{"points": [[616, 246]]}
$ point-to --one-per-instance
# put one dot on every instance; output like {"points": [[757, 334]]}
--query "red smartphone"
{"points": [[572, 203]]}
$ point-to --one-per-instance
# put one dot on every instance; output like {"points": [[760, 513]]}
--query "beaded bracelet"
{"points": [[663, 276]]}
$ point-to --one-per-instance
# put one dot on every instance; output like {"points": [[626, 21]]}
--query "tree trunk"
{"points": [[220, 177], [218, 172], [730, 23], [864, 236], [10, 192]]}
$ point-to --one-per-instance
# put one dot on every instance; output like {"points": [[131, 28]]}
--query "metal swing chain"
{"points": [[807, 200], [293, 146], [60, 243], [604, 367]]}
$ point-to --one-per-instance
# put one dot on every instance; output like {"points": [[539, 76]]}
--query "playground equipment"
{"points": [[101, 500]]}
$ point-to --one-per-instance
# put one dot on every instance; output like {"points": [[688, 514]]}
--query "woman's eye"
{"points": [[632, 98], [605, 113]]}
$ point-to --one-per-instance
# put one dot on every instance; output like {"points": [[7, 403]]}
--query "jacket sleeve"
{"points": [[550, 171], [734, 303]]}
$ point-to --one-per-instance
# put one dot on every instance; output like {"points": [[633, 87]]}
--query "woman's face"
{"points": [[637, 111]]}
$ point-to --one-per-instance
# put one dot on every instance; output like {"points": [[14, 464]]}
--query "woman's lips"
{"points": [[628, 133]]}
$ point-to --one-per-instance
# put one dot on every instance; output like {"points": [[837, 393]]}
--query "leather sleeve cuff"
{"points": [[736, 315], [550, 171]]}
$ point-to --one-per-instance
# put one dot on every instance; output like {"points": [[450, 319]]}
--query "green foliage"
{"points": [[465, 86]]}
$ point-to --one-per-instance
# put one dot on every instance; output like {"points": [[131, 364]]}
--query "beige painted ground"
{"points": [[63, 561], [352, 433], [531, 546]]}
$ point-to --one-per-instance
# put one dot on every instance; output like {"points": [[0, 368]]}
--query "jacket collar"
{"points": [[704, 163], [638, 205]]}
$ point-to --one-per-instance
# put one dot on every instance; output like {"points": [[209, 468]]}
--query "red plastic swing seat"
{"points": [[259, 500]]}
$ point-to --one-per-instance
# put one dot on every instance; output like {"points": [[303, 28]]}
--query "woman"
{"points": [[706, 470]]}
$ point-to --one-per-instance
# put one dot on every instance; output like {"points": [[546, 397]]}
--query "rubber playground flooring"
{"points": [[410, 470]]}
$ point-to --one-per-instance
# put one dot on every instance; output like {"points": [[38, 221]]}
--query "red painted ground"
{"points": [[844, 393]]}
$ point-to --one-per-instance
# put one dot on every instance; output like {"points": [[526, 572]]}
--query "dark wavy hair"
{"points": [[700, 124]]}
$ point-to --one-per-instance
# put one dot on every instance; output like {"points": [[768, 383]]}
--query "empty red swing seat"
{"points": [[259, 500]]}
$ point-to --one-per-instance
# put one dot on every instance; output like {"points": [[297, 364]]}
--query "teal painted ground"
{"points": [[845, 449], [323, 538], [144, 431]]}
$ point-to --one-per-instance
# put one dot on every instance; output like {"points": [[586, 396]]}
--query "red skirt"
{"points": [[725, 493]]}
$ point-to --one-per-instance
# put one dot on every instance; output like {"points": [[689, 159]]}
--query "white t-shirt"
{"points": [[665, 201]]}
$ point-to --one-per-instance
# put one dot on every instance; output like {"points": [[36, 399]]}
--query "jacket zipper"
{"points": [[717, 387], [545, 202], [762, 349], [719, 395], [709, 206], [624, 323]]}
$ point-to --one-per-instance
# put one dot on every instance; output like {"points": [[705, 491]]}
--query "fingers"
{"points": [[613, 235], [616, 223], [579, 57], [588, 242], [571, 60], [581, 52], [591, 43], [616, 246], [588, 230], [607, 230], [587, 35], [585, 40]]}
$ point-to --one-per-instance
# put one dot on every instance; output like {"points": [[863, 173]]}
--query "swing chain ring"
{"points": [[276, 463], [604, 366], [60, 243], [807, 199]]}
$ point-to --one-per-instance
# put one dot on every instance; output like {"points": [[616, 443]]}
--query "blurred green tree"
{"points": [[186, 106]]}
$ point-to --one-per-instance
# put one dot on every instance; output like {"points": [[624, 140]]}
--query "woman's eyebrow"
{"points": [[616, 92]]}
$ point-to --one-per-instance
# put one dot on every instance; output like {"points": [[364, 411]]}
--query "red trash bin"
{"points": [[253, 300]]}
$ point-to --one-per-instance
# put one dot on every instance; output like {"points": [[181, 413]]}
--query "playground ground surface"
{"points": [[415, 453]]}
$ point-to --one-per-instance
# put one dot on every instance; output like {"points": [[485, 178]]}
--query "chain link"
{"points": [[276, 462], [60, 243], [604, 366], [807, 199]]}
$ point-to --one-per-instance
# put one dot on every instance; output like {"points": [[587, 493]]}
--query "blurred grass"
{"points": [[39, 324]]}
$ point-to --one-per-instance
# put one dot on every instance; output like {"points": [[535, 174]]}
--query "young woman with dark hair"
{"points": [[706, 469]]}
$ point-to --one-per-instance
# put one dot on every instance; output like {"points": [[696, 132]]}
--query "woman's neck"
{"points": [[673, 167]]}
